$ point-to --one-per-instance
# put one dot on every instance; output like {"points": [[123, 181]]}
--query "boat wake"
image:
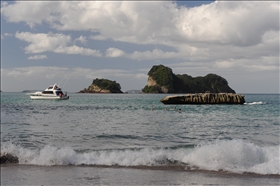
{"points": [[233, 156]]}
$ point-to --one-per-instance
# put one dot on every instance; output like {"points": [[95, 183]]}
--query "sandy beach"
{"points": [[102, 175]]}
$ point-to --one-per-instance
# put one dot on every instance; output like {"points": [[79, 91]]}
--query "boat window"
{"points": [[50, 87], [47, 92]]}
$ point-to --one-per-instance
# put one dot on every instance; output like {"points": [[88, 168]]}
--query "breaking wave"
{"points": [[256, 103], [234, 156]]}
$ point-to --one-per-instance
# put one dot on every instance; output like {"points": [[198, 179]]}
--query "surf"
{"points": [[234, 156]]}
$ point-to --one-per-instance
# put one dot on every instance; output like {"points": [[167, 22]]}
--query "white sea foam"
{"points": [[255, 103], [234, 156]]}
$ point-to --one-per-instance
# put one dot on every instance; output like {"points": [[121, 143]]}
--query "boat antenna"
{"points": [[66, 81], [61, 80]]}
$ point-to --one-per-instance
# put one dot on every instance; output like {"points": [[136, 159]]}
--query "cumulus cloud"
{"points": [[57, 43], [232, 23], [78, 50], [37, 57], [43, 42], [81, 39], [226, 25], [114, 52], [30, 13]]}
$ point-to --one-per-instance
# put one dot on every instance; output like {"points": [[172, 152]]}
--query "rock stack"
{"points": [[205, 98]]}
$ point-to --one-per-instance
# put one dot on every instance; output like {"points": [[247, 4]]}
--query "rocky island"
{"points": [[103, 86], [161, 79], [210, 89]]}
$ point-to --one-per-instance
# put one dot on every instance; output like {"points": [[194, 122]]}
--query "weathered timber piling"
{"points": [[205, 98]]}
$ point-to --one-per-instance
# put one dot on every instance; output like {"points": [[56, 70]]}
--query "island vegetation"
{"points": [[103, 86], [162, 80]]}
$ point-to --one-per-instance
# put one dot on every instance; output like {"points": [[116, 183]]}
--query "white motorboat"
{"points": [[53, 92]]}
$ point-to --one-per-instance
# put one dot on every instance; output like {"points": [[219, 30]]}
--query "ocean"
{"points": [[134, 139]]}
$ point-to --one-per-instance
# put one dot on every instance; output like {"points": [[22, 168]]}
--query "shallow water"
{"points": [[123, 130], [85, 175]]}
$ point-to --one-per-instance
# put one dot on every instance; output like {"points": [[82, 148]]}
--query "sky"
{"points": [[73, 42]]}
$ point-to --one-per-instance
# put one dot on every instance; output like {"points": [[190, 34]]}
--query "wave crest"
{"points": [[231, 155]]}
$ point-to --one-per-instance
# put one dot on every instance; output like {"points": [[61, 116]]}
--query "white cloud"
{"points": [[82, 39], [224, 25], [37, 57], [114, 52], [153, 55], [6, 35], [57, 43], [224, 64], [32, 13], [142, 76], [159, 22], [230, 23], [78, 50], [43, 42]]}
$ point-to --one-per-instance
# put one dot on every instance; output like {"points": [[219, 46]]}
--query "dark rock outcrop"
{"points": [[205, 98], [8, 158]]}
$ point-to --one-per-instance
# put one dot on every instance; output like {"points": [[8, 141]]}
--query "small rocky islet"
{"points": [[102, 86], [205, 98]]}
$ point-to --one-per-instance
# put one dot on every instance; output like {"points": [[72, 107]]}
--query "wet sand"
{"points": [[14, 174]]}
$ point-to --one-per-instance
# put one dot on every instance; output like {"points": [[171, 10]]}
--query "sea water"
{"points": [[131, 131]]}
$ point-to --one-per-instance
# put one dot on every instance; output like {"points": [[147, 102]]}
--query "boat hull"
{"points": [[53, 92], [49, 97]]}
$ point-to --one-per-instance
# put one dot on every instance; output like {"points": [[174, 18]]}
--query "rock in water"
{"points": [[205, 98], [8, 158]]}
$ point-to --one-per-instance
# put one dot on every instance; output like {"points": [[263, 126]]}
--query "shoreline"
{"points": [[175, 168], [13, 174]]}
